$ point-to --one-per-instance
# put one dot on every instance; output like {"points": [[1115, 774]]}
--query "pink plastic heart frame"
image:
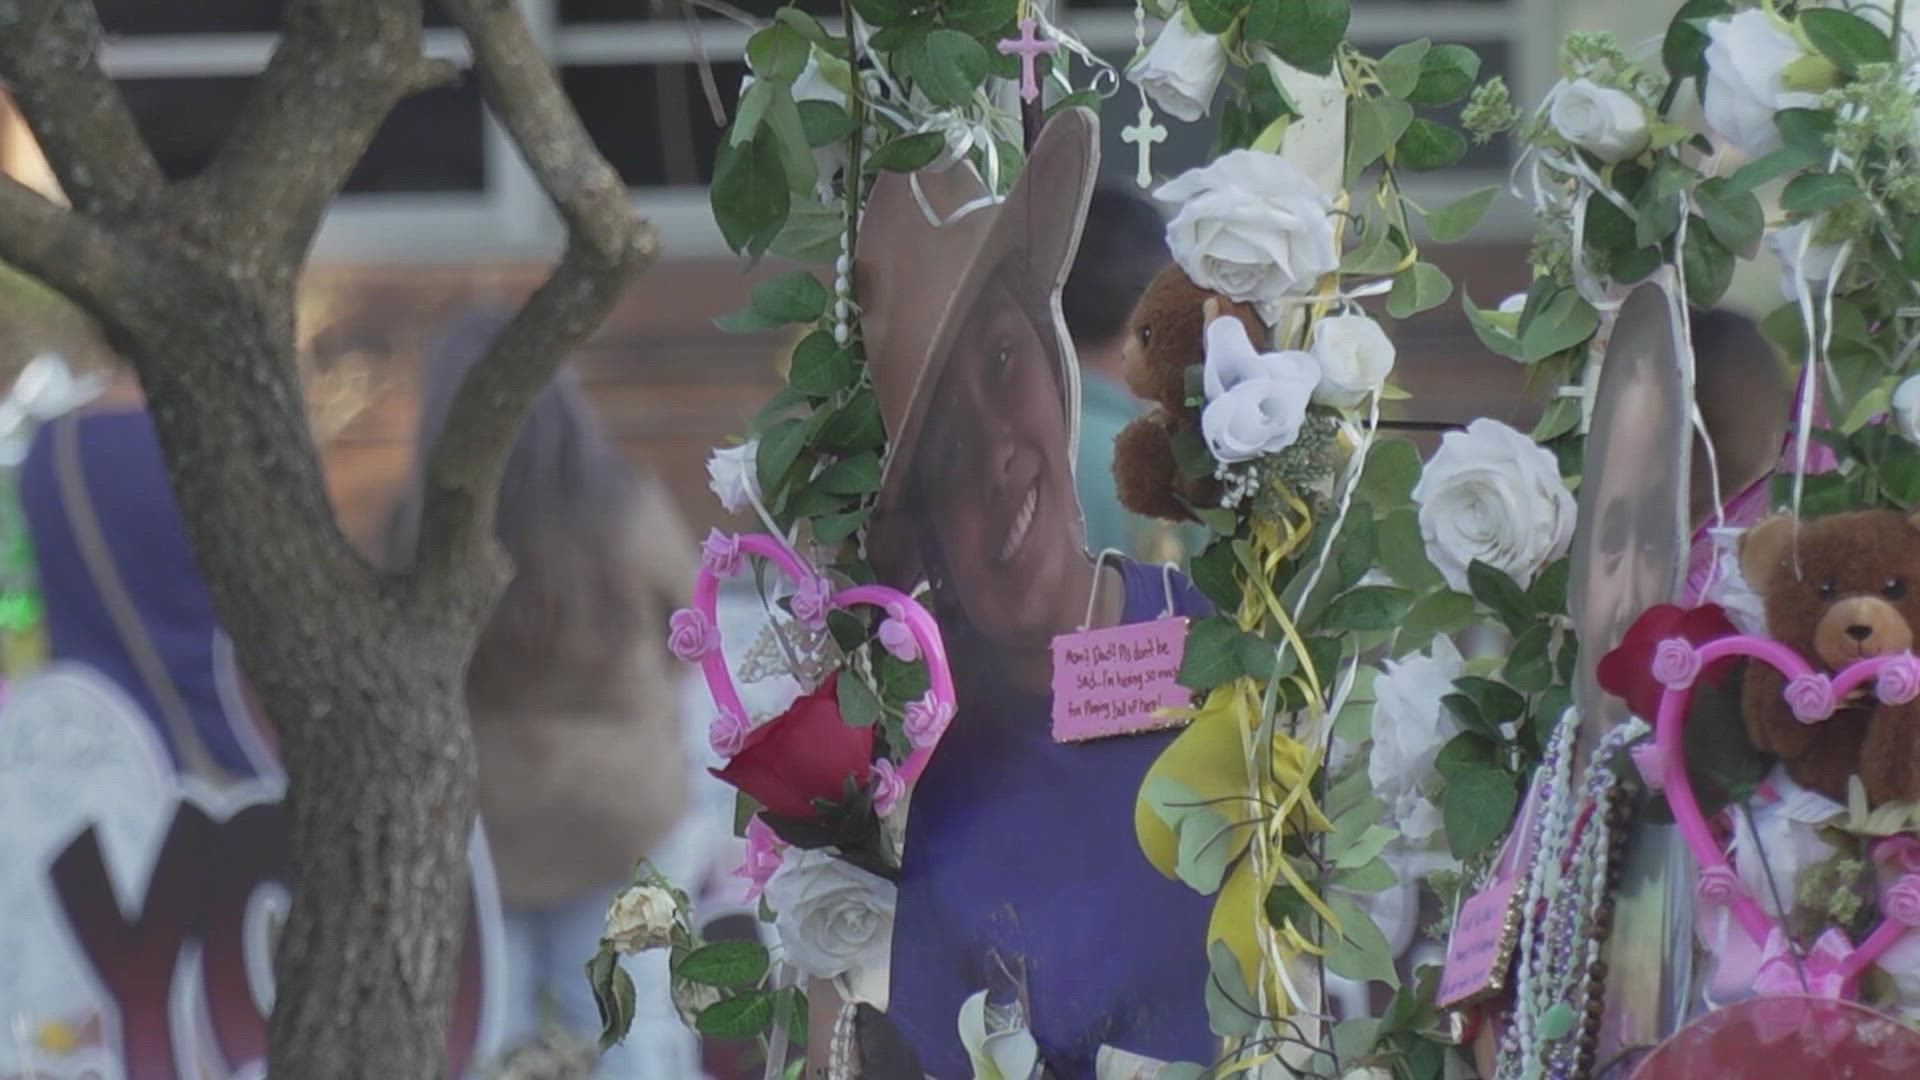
{"points": [[1813, 697], [699, 639]]}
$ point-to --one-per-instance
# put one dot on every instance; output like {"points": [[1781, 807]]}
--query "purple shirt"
{"points": [[1026, 846]]}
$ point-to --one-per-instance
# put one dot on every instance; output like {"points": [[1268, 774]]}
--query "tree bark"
{"points": [[360, 670]]}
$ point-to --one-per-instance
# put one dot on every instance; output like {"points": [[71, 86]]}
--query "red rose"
{"points": [[1627, 672], [805, 753]]}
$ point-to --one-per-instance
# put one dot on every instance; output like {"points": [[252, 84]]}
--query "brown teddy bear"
{"points": [[1166, 335], [1855, 595]]}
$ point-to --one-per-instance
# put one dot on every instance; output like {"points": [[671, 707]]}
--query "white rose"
{"points": [[1409, 728], [642, 918], [1906, 408], [733, 474], [832, 917], [1252, 226], [1492, 494], [1256, 401], [1182, 69], [1788, 835], [1355, 358], [1745, 57], [1801, 258], [1607, 123]]}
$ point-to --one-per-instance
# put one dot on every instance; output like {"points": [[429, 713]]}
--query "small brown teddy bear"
{"points": [[1165, 336], [1855, 595]]}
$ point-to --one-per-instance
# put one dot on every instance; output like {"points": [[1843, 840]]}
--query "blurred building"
{"points": [[442, 213]]}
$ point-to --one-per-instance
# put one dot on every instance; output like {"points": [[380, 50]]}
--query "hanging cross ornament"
{"points": [[1144, 133], [1030, 47]]}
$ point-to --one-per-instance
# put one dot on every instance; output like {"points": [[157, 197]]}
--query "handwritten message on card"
{"points": [[1475, 956], [1118, 681]]}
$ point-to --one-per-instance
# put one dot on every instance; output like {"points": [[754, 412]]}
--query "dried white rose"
{"points": [[642, 918]]}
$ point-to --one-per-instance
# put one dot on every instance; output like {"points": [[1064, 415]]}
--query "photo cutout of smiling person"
{"points": [[1020, 869], [1628, 547]]}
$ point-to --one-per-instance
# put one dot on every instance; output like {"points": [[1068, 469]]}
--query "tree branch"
{"points": [[71, 255], [340, 68], [50, 63], [607, 242]]}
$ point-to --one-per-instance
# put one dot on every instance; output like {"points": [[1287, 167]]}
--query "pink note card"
{"points": [[1118, 681], [1481, 946]]}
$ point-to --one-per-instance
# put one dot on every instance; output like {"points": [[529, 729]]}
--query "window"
{"points": [[442, 180]]}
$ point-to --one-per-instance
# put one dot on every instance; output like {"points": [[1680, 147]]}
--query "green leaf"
{"points": [[1216, 16], [778, 53], [1403, 551], [1559, 417], [1374, 607], [1427, 145], [1309, 32], [1205, 843], [833, 528], [1808, 130], [825, 123], [857, 426], [1191, 456], [1467, 712], [1262, 20], [780, 447], [1373, 125], [796, 1017], [1477, 808], [1212, 573], [1565, 322], [1353, 552], [859, 705], [1393, 467], [1446, 74], [1498, 703], [1451, 223], [821, 368], [1813, 192], [1709, 266], [907, 153], [948, 66], [1846, 39], [1266, 99], [1256, 657], [1659, 218], [750, 195], [613, 996], [1366, 848], [1787, 159], [857, 475], [1734, 216], [1608, 228], [1212, 655], [1529, 667], [1498, 592], [751, 111], [885, 13], [1465, 751], [1363, 953], [811, 234], [1399, 70], [1496, 338], [1420, 287], [1377, 253], [1685, 46], [1231, 1011], [1372, 877], [1910, 248], [726, 964], [1549, 592], [740, 1017], [792, 297], [807, 26], [978, 17]]}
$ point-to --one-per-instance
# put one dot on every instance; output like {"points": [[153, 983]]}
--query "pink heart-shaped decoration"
{"points": [[1813, 697], [695, 635]]}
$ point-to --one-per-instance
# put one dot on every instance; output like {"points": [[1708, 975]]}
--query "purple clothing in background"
{"points": [[128, 486], [1024, 846]]}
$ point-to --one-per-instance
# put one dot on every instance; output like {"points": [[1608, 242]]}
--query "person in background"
{"points": [[583, 768], [122, 592], [1122, 247]]}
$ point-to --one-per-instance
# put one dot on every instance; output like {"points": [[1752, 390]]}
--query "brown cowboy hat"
{"points": [[916, 280]]}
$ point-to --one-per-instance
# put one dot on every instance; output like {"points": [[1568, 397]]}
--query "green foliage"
{"points": [[727, 964]]}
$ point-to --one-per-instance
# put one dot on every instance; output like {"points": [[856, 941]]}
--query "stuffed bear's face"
{"points": [[1167, 334], [1856, 592]]}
